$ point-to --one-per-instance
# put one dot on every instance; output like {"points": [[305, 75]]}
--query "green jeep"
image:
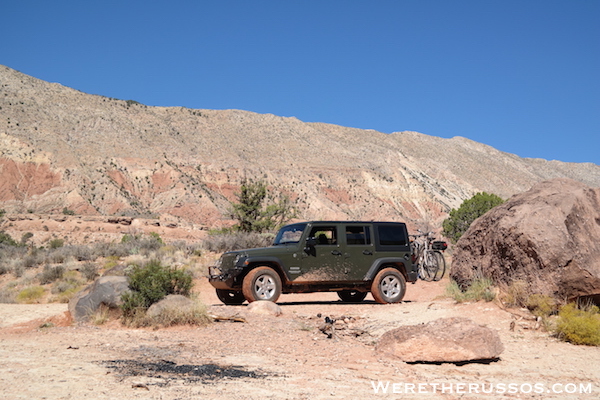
{"points": [[351, 258]]}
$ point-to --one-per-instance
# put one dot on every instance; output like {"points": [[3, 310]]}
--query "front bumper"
{"points": [[225, 280]]}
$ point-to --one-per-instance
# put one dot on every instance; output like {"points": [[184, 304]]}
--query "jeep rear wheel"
{"points": [[352, 296], [230, 297], [262, 283], [388, 286]]}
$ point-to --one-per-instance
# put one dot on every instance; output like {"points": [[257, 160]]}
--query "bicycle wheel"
{"points": [[441, 270], [423, 270], [430, 265]]}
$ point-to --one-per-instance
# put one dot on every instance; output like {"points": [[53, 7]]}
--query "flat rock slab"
{"points": [[452, 340]]}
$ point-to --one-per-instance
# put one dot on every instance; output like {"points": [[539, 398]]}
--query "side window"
{"points": [[391, 235], [358, 235], [325, 235]]}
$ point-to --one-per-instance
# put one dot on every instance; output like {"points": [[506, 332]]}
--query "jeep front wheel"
{"points": [[262, 283], [230, 297], [388, 286]]}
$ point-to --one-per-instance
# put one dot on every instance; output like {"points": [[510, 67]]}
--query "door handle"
{"points": [[367, 252], [336, 253]]}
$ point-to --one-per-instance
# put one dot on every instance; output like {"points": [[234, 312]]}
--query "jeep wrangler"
{"points": [[351, 258]]}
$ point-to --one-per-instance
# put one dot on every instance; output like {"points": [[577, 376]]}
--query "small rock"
{"points": [[264, 307]]}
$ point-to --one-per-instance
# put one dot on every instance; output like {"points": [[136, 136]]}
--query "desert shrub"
{"points": [[579, 325], [7, 240], [461, 218], [231, 241], [56, 243], [541, 305], [109, 250], [516, 294], [4, 269], [479, 289], [32, 260], [25, 237], [89, 271], [101, 315], [57, 256], [82, 253], [151, 283], [197, 315], [8, 295], [31, 294], [51, 274], [139, 244]]}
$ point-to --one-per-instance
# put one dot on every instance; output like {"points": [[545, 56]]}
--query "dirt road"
{"points": [[285, 357]]}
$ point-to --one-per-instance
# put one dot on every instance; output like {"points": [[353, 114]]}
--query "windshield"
{"points": [[289, 234]]}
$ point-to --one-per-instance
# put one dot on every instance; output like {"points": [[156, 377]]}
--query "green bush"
{"points": [[579, 325], [257, 210], [6, 239], [151, 283], [460, 219], [67, 211]]}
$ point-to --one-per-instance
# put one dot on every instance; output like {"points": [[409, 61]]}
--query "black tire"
{"points": [[351, 296], [230, 297], [389, 286], [262, 283], [441, 266]]}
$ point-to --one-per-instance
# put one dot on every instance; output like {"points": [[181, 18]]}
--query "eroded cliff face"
{"points": [[60, 148]]}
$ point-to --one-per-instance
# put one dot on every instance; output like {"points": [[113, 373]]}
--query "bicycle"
{"points": [[427, 253]]}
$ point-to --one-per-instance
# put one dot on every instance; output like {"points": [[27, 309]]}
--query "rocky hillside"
{"points": [[97, 156]]}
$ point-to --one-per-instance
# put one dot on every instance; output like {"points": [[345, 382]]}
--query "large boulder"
{"points": [[547, 237], [454, 340], [106, 290]]}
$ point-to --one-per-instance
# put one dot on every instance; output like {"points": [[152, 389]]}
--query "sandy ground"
{"points": [[44, 356]]}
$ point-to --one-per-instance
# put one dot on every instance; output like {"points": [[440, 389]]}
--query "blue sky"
{"points": [[521, 76]]}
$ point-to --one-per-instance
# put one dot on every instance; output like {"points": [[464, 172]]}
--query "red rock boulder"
{"points": [[547, 237]]}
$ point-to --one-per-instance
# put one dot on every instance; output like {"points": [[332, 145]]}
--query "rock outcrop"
{"points": [[452, 340], [547, 237]]}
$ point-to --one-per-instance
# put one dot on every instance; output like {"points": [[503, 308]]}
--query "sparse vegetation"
{"points": [[6, 239], [480, 289], [196, 315], [579, 325], [228, 241], [32, 294], [67, 211], [151, 283], [460, 219]]}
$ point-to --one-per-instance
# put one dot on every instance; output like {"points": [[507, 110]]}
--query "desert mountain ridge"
{"points": [[97, 157]]}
